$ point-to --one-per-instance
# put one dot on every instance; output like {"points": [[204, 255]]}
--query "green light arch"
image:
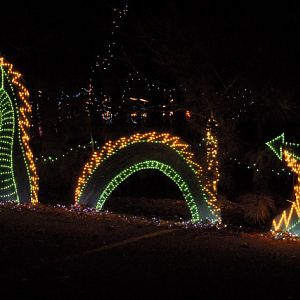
{"points": [[104, 173], [145, 165], [8, 188]]}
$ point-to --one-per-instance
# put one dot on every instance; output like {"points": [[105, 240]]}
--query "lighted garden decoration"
{"points": [[18, 177], [289, 219], [118, 160], [109, 166]]}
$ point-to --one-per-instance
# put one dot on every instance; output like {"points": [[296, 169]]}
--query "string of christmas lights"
{"points": [[170, 141], [241, 101], [146, 165], [15, 126], [212, 156], [103, 100], [253, 166], [78, 211], [56, 158], [149, 86], [8, 186], [109, 56]]}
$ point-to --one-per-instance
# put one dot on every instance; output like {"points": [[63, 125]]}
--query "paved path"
{"points": [[51, 256]]}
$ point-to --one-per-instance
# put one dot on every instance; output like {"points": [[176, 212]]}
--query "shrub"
{"points": [[258, 209]]}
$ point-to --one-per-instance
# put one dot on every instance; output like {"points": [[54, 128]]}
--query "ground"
{"points": [[56, 254]]}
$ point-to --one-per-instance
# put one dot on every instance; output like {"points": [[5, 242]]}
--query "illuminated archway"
{"points": [[118, 160], [18, 177]]}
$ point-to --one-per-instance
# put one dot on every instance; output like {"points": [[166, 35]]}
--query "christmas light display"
{"points": [[88, 212], [117, 160], [188, 115], [18, 177], [212, 155], [151, 164], [108, 57], [137, 79], [70, 151], [239, 100], [254, 167], [289, 219], [86, 147], [102, 101], [276, 145]]}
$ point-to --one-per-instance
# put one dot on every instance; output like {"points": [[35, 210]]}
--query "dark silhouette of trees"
{"points": [[215, 59]]}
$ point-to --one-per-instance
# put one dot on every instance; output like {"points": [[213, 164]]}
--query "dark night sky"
{"points": [[54, 46]]}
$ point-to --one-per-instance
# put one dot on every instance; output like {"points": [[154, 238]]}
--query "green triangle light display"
{"points": [[276, 145]]}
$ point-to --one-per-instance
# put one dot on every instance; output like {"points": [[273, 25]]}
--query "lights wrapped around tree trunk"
{"points": [[212, 156]]}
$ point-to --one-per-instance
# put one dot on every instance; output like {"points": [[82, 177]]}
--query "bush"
{"points": [[258, 209]]}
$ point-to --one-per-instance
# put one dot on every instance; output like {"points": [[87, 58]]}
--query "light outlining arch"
{"points": [[146, 165], [18, 176], [115, 160], [7, 127]]}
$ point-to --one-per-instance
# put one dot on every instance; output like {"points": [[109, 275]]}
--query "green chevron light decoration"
{"points": [[289, 219]]}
